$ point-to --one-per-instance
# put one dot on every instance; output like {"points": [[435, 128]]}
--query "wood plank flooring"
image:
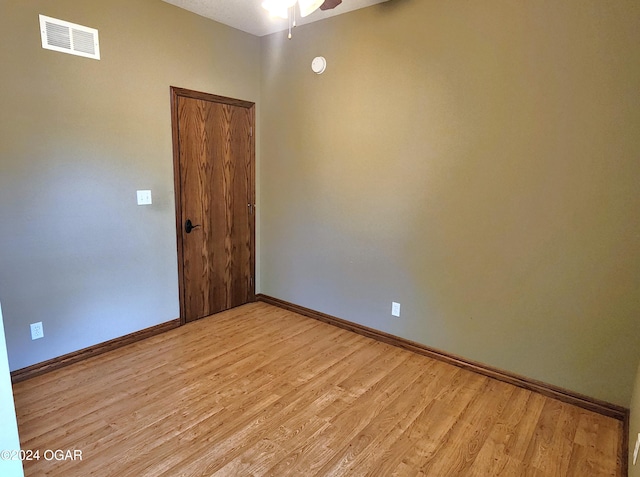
{"points": [[258, 390]]}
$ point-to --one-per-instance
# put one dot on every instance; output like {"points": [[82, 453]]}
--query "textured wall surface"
{"points": [[477, 162], [78, 137]]}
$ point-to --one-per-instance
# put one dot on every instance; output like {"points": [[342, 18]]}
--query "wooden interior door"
{"points": [[214, 178]]}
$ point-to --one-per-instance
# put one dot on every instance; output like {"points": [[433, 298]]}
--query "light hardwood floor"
{"points": [[258, 390]]}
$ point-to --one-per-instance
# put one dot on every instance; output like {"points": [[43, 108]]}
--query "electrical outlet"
{"points": [[635, 451], [37, 331], [395, 308], [144, 197]]}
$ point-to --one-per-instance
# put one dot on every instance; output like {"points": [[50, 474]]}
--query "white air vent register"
{"points": [[67, 37]]}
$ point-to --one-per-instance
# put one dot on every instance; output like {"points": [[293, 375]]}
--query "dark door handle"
{"points": [[188, 226]]}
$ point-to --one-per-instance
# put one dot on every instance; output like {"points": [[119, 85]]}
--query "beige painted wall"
{"points": [[78, 137], [477, 162]]}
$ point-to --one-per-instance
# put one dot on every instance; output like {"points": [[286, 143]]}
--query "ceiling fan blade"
{"points": [[307, 7], [329, 4]]}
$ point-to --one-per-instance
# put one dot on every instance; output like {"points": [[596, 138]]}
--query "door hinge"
{"points": [[252, 208], [251, 131], [250, 282]]}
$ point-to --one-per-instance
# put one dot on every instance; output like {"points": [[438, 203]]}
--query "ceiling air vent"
{"points": [[66, 37]]}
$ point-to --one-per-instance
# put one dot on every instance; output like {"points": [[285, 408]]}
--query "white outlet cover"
{"points": [[395, 308], [144, 197], [37, 331]]}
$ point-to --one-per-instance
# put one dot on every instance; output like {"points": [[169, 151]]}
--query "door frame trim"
{"points": [[177, 92]]}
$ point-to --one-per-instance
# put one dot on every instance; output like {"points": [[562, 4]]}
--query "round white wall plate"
{"points": [[319, 64]]}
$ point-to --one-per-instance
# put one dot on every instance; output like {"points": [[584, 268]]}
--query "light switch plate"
{"points": [[635, 451], [144, 197]]}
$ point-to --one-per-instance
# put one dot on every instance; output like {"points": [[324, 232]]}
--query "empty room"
{"points": [[320, 238]]}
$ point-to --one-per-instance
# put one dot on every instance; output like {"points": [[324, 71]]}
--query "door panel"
{"points": [[215, 165]]}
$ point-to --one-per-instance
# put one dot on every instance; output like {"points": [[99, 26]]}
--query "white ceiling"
{"points": [[249, 16]]}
